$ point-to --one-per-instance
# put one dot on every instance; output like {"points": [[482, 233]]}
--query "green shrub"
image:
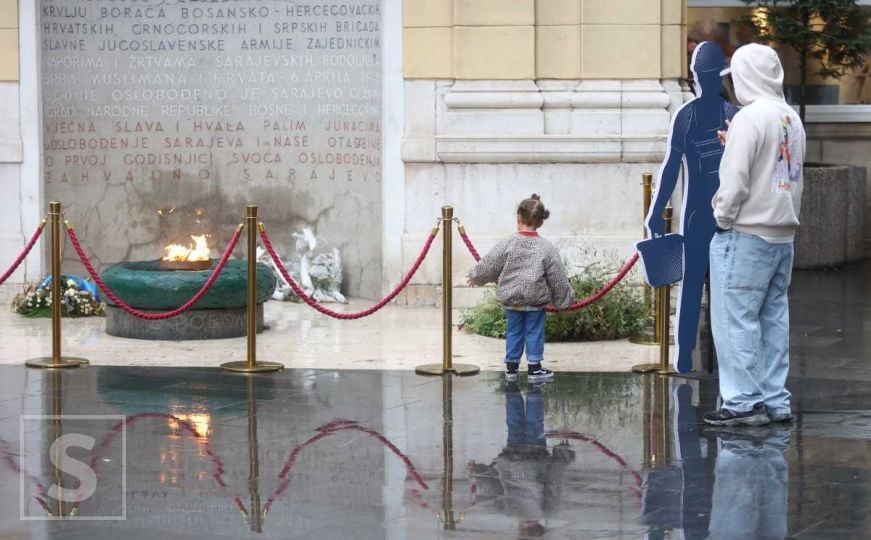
{"points": [[620, 314]]}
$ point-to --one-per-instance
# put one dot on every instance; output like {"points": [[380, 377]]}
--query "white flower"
{"points": [[71, 283]]}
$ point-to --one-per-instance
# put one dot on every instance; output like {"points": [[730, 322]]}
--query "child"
{"points": [[530, 275]]}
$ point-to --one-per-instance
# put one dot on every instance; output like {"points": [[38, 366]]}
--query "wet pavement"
{"points": [[387, 454], [187, 452]]}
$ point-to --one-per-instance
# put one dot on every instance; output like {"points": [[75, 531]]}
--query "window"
{"points": [[720, 21]]}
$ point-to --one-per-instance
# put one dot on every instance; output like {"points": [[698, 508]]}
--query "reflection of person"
{"points": [[757, 209], [750, 490], [693, 143], [526, 478], [531, 275]]}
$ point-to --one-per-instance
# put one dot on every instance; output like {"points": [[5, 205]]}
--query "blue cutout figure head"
{"points": [[707, 65]]}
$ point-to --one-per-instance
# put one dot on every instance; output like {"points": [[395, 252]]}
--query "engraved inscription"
{"points": [[149, 104]]}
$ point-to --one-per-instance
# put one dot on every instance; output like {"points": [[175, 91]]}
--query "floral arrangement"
{"points": [[79, 298]]}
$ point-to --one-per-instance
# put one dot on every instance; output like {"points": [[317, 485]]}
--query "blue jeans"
{"points": [[750, 320], [524, 328]]}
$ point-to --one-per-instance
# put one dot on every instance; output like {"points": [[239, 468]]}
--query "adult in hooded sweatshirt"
{"points": [[756, 209]]}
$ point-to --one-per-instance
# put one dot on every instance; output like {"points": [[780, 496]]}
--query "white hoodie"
{"points": [[762, 165]]}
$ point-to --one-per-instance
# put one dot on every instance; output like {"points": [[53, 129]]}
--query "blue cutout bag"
{"points": [[662, 259]]}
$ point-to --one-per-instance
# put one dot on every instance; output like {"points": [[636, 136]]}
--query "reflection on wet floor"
{"points": [[198, 453]]}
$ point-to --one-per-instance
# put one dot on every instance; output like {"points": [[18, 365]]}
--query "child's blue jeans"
{"points": [[525, 328]]}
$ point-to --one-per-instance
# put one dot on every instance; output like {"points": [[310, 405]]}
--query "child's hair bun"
{"points": [[532, 211]]}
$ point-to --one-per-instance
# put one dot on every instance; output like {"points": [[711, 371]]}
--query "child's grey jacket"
{"points": [[529, 271]]}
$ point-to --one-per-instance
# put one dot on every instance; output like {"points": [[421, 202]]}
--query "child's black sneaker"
{"points": [[537, 372], [511, 371]]}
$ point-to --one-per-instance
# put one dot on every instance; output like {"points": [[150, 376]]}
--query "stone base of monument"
{"points": [[149, 287], [832, 217], [193, 324]]}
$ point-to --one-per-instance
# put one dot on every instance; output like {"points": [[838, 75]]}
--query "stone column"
{"points": [[20, 179]]}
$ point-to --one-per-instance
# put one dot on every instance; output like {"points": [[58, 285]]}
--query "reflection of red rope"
{"points": [[582, 303], [575, 436], [217, 474], [335, 314], [24, 253], [143, 314], [325, 431], [17, 468]]}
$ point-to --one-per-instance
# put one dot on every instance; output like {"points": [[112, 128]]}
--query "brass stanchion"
{"points": [[55, 361], [664, 308], [661, 318], [252, 365], [647, 336], [447, 365]]}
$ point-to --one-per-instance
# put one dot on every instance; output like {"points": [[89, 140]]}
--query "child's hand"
{"points": [[470, 282]]}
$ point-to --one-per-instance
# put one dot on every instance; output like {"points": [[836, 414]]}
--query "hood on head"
{"points": [[756, 73]]}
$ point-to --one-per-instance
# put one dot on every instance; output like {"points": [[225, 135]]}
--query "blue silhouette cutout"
{"points": [[693, 142]]}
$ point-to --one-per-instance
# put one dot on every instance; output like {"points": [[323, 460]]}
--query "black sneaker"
{"points": [[725, 417], [511, 371], [537, 372]]}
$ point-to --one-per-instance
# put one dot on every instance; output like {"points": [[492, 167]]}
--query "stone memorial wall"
{"points": [[206, 106]]}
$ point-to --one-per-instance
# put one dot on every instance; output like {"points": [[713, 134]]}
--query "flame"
{"points": [[198, 252]]}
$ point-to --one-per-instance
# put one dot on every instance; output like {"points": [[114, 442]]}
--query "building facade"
{"points": [[469, 103]]}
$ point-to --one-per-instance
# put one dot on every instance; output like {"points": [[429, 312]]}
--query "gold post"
{"points": [[647, 336], [447, 365], [665, 313], [56, 360], [252, 365]]}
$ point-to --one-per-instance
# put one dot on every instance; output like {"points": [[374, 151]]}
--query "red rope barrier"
{"points": [[24, 253], [592, 299], [143, 314], [584, 302], [335, 314], [469, 246]]}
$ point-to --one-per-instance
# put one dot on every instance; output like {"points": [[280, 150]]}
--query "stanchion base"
{"points": [[242, 366], [645, 368], [463, 370], [46, 362], [668, 372]]}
